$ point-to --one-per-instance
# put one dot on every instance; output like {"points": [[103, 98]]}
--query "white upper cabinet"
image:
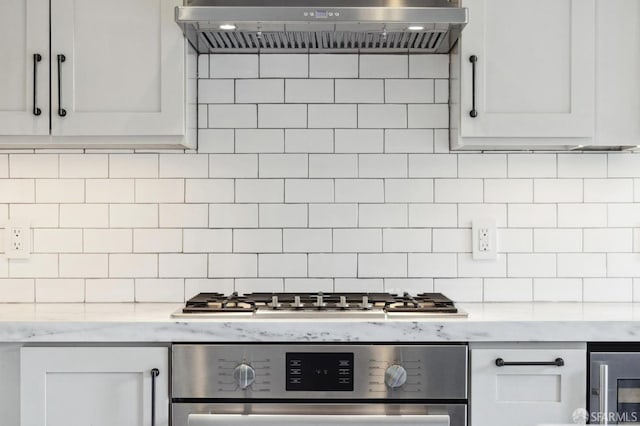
{"points": [[123, 72], [118, 74], [617, 72], [534, 74], [24, 34]]}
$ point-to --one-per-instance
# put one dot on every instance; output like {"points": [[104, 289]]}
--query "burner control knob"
{"points": [[244, 375], [395, 376]]}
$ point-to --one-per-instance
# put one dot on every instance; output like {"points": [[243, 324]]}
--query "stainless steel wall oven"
{"points": [[319, 384]]}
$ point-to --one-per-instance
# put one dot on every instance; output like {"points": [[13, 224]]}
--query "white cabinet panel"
{"points": [[617, 72], [99, 386], [526, 395], [534, 69], [24, 32], [123, 74]]}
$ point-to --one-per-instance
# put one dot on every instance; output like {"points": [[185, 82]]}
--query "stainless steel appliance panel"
{"points": [[211, 371], [614, 380]]}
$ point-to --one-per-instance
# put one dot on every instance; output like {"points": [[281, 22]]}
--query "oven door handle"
{"points": [[316, 420], [603, 408]]}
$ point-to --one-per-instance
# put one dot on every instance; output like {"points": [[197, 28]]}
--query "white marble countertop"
{"points": [[145, 322]]}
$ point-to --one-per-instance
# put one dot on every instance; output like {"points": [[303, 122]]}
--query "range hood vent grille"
{"points": [[322, 41]]}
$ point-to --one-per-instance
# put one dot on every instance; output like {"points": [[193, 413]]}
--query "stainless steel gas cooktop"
{"points": [[320, 305]]}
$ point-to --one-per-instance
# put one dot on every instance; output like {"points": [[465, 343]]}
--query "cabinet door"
{"points": [[24, 32], [96, 386], [526, 395], [123, 73], [617, 72], [534, 69]]}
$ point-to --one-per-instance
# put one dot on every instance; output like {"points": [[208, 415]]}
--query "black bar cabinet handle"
{"points": [[61, 111], [154, 373], [474, 112], [558, 362], [36, 58]]}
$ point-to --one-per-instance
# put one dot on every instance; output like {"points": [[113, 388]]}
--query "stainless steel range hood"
{"points": [[322, 26]]}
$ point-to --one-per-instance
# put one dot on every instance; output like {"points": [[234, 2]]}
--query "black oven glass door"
{"points": [[315, 420], [614, 381]]}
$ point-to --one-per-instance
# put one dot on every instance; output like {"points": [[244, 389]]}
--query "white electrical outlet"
{"points": [[484, 239], [17, 240]]}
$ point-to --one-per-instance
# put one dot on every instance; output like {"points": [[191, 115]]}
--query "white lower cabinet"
{"points": [[530, 394], [96, 386]]}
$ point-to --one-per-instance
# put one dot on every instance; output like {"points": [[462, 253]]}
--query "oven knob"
{"points": [[244, 375], [395, 376]]}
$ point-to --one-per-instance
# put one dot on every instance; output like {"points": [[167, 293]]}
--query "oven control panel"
{"points": [[302, 371]]}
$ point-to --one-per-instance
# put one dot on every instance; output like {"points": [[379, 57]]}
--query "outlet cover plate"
{"points": [[17, 239], [484, 239]]}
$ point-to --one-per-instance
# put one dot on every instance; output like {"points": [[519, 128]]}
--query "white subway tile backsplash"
{"points": [[233, 66], [433, 215], [582, 215], [294, 66], [382, 165], [257, 240], [433, 165], [232, 116], [607, 290], [508, 190], [408, 140], [434, 116], [60, 191], [332, 116], [557, 290], [333, 66], [283, 215], [309, 91], [233, 216], [429, 66], [531, 265], [184, 216], [384, 66], [558, 191], [582, 265], [433, 265], [608, 240], [159, 290], [309, 191], [406, 240], [386, 116], [623, 165], [532, 215], [333, 215], [359, 284], [4, 166], [206, 241], [306, 240], [272, 116], [109, 190], [84, 216], [557, 240], [532, 165], [469, 267], [622, 215], [333, 166], [132, 265], [215, 141], [382, 265], [159, 190], [515, 240], [460, 289], [216, 91], [452, 241], [482, 166], [508, 290], [359, 141], [18, 190], [209, 190], [157, 240], [17, 290], [109, 240], [359, 190], [333, 265], [309, 140], [458, 191], [195, 286], [259, 140], [84, 265], [259, 91], [621, 264], [408, 190], [83, 166], [233, 165], [109, 290], [180, 265], [282, 265], [608, 190], [383, 216], [441, 95], [293, 285], [133, 165], [366, 91], [582, 165], [57, 241], [37, 266], [33, 166], [133, 215], [233, 265], [357, 240], [411, 285], [414, 91], [252, 285], [283, 165], [183, 166]]}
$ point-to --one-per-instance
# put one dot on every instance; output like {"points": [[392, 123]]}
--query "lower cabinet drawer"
{"points": [[527, 386]]}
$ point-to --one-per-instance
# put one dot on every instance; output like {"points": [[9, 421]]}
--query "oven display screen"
{"points": [[320, 371]]}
